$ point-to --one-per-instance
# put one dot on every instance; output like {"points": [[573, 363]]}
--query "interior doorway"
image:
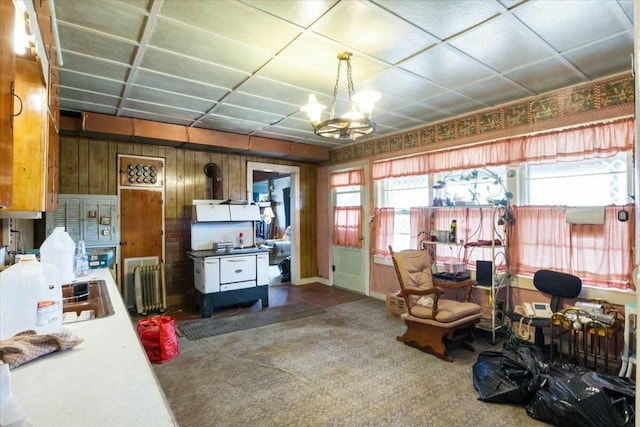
{"points": [[275, 188]]}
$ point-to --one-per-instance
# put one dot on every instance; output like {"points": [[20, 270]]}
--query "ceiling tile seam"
{"points": [[156, 104], [66, 70], [92, 92], [95, 58], [553, 51], [148, 26], [173, 76], [253, 74], [168, 92], [96, 32], [624, 18]]}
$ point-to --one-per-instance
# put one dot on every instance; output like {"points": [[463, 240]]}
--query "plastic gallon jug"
{"points": [[31, 298], [58, 250]]}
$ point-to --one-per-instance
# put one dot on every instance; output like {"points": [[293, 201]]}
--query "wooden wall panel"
{"points": [[99, 161], [171, 183], [89, 166]]}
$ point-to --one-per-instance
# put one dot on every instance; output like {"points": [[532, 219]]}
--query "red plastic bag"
{"points": [[158, 336]]}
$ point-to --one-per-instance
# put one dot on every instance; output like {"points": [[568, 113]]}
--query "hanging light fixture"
{"points": [[354, 123]]}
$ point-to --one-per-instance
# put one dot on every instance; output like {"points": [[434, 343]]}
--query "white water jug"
{"points": [[58, 250], [31, 298]]}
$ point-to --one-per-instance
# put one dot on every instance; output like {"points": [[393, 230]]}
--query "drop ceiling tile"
{"points": [[275, 90], [165, 110], [230, 124], [144, 115], [454, 103], [263, 31], [192, 69], [95, 66], [404, 84], [97, 45], [73, 105], [229, 110], [302, 13], [502, 44], [89, 82], [627, 6], [144, 5], [155, 96], [446, 66], [246, 100], [150, 78], [370, 29], [311, 62], [89, 97], [421, 112], [545, 76], [571, 23], [298, 122], [443, 19], [397, 121], [206, 46], [495, 91], [115, 18], [604, 58]]}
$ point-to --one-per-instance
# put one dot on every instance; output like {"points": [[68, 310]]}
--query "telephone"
{"points": [[537, 309]]}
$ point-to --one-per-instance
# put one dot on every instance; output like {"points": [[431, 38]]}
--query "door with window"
{"points": [[350, 236]]}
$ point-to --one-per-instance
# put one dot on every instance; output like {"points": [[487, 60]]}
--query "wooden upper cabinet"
{"points": [[30, 135], [7, 67]]}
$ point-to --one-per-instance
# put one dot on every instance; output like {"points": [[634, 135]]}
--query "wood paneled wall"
{"points": [[89, 166]]}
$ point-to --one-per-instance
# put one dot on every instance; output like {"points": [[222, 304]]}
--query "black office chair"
{"points": [[558, 285]]}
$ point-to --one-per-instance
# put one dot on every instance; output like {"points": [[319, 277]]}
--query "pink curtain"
{"points": [[347, 226], [588, 142], [343, 179], [383, 230], [599, 254], [419, 225]]}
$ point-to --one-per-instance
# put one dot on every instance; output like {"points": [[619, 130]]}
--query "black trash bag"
{"points": [[585, 400], [285, 269], [510, 376]]}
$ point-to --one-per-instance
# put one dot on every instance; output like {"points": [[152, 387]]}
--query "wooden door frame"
{"points": [[294, 172]]}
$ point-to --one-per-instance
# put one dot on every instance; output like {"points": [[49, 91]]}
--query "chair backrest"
{"points": [[413, 268], [558, 285]]}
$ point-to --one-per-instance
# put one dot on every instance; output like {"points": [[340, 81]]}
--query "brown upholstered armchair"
{"points": [[434, 324]]}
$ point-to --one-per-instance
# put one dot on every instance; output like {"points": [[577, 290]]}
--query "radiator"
{"points": [[149, 289]]}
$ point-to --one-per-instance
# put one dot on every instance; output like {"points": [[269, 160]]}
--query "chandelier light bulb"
{"points": [[313, 109]]}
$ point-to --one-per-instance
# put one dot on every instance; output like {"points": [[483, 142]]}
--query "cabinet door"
{"points": [[7, 65], [29, 139]]}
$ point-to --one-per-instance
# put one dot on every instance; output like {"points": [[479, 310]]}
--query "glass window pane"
{"points": [[594, 182]]}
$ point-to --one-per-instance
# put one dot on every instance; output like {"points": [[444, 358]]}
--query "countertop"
{"points": [[105, 380], [231, 252]]}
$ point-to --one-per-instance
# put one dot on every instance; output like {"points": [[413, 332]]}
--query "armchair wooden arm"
{"points": [[435, 292], [469, 284]]}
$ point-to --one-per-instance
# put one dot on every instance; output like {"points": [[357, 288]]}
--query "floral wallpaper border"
{"points": [[595, 96]]}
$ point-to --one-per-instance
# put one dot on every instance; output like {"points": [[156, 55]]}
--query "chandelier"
{"points": [[354, 123]]}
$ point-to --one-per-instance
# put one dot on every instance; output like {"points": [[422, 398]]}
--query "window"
{"points": [[348, 196], [565, 183], [402, 194], [474, 186]]}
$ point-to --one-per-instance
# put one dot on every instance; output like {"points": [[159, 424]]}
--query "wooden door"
{"points": [[140, 224], [141, 189]]}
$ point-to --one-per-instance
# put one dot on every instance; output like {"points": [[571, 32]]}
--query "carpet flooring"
{"points": [[343, 367], [198, 329]]}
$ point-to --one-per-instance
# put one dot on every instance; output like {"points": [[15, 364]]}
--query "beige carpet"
{"points": [[340, 368]]}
